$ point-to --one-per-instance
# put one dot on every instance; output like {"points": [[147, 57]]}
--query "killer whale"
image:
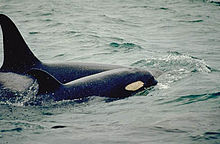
{"points": [[18, 57], [69, 80], [116, 83]]}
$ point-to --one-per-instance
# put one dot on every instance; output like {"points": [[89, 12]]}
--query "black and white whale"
{"points": [[69, 80], [116, 83]]}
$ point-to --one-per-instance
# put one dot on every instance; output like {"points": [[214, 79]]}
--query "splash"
{"points": [[19, 98], [177, 62], [175, 66]]}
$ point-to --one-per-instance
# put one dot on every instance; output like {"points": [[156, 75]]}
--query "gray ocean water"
{"points": [[181, 38]]}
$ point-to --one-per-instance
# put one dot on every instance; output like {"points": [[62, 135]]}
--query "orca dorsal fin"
{"points": [[47, 83], [17, 55]]}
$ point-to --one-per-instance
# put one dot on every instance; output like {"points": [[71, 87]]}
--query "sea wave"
{"points": [[175, 61], [175, 66], [209, 135], [124, 47], [188, 99]]}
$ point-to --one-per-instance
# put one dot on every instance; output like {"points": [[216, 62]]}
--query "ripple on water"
{"points": [[12, 130], [217, 2], [47, 14], [32, 33], [210, 135], [188, 99], [59, 55], [125, 47], [168, 130], [192, 21]]}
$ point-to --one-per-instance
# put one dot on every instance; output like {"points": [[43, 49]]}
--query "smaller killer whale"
{"points": [[116, 83]]}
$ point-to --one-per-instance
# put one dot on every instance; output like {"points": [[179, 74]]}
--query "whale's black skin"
{"points": [[112, 83], [18, 57]]}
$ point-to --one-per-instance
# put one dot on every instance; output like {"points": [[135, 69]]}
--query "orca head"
{"points": [[17, 55], [146, 77]]}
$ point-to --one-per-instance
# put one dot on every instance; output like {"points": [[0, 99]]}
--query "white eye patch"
{"points": [[134, 86]]}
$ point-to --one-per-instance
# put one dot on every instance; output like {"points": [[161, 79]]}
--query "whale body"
{"points": [[68, 80], [116, 83]]}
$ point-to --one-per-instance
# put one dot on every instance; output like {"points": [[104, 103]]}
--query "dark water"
{"points": [[180, 38]]}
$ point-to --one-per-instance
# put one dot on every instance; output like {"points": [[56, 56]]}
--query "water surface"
{"points": [[180, 38]]}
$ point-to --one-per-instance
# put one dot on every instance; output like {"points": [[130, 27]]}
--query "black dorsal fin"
{"points": [[17, 55], [47, 83]]}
